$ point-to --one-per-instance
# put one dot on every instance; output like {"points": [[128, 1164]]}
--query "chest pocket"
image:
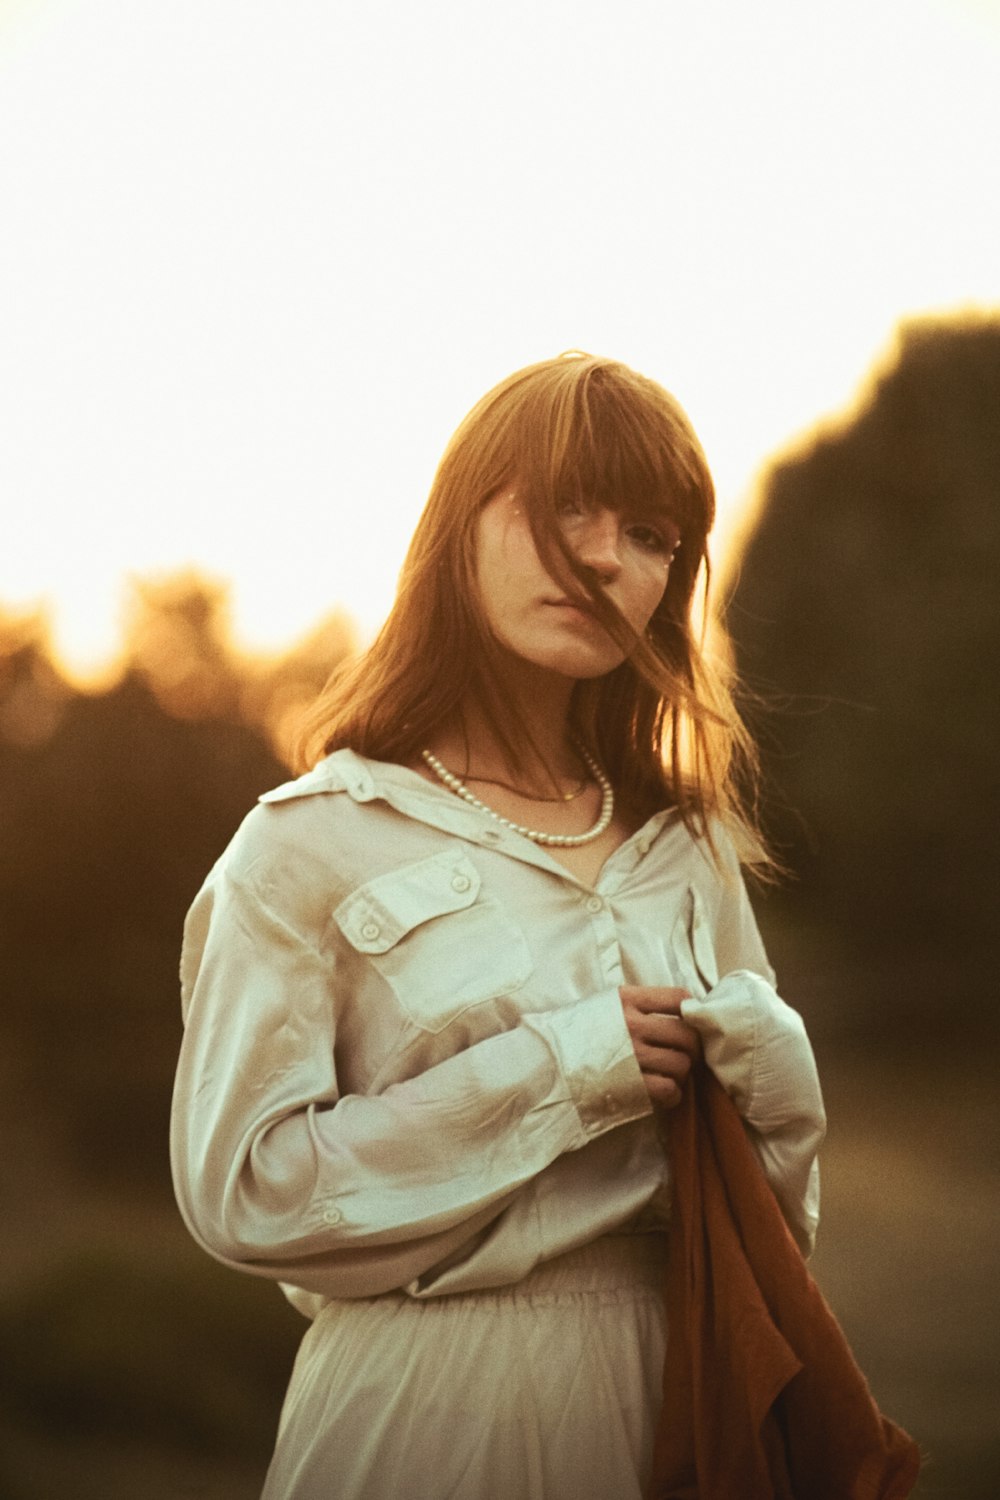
{"points": [[692, 944], [434, 940]]}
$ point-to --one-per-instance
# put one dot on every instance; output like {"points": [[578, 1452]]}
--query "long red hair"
{"points": [[575, 428]]}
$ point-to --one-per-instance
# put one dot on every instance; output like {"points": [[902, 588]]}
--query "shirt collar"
{"points": [[411, 794], [415, 797]]}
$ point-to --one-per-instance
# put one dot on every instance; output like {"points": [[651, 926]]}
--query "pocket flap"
{"points": [[375, 917]]}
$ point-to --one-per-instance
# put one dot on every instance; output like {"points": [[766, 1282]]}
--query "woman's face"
{"points": [[531, 614]]}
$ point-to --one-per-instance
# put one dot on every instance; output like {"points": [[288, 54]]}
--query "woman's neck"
{"points": [[540, 728]]}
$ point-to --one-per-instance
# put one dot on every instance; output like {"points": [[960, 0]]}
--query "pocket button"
{"points": [[370, 931], [460, 882]]}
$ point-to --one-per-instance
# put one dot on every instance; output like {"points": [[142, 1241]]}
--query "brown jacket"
{"points": [[762, 1397]]}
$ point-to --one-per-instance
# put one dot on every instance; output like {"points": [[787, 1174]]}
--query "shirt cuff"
{"points": [[757, 1047], [595, 1054]]}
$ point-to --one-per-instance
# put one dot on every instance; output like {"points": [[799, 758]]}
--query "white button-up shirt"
{"points": [[405, 1062]]}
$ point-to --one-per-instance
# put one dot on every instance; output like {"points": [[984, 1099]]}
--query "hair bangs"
{"points": [[627, 445]]}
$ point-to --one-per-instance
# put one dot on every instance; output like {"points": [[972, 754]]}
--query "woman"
{"points": [[441, 991]]}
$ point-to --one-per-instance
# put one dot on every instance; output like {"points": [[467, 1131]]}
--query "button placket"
{"points": [[606, 935]]}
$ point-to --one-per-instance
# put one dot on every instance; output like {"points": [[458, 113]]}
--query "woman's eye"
{"points": [[652, 540], [569, 508]]}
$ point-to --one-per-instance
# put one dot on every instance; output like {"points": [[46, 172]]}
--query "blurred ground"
{"points": [[100, 1294], [908, 1250]]}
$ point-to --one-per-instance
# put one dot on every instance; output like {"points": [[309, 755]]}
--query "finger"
{"points": [[654, 996], [663, 1062], [668, 1031], [665, 1092], [654, 999]]}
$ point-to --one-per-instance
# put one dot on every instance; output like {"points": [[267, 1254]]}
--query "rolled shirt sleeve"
{"points": [[756, 1044], [757, 1047], [346, 1194]]}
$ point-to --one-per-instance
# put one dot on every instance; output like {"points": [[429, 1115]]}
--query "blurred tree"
{"points": [[32, 693], [109, 828], [276, 692], [865, 614], [113, 807], [176, 641]]}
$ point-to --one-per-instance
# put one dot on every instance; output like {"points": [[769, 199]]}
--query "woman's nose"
{"points": [[598, 544]]}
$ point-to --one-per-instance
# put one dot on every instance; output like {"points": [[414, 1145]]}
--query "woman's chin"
{"points": [[577, 665]]}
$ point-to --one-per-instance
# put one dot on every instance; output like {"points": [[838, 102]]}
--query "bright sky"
{"points": [[257, 260]]}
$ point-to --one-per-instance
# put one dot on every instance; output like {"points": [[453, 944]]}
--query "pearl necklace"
{"points": [[564, 840]]}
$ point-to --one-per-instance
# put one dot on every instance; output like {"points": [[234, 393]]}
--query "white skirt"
{"points": [[547, 1390]]}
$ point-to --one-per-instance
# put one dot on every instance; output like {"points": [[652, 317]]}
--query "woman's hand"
{"points": [[665, 1046]]}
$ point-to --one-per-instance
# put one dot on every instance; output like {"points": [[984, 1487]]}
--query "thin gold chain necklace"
{"points": [[530, 796], [563, 840]]}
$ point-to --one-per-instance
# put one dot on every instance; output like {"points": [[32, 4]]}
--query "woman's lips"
{"points": [[581, 609], [573, 611]]}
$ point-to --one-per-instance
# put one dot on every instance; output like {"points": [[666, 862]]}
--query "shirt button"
{"points": [[370, 931], [460, 882], [595, 904], [332, 1216]]}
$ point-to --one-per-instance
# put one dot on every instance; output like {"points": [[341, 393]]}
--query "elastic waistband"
{"points": [[613, 1267], [607, 1264]]}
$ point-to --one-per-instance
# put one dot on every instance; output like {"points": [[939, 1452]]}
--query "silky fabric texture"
{"points": [[406, 1087], [405, 1063], [762, 1397], [544, 1391]]}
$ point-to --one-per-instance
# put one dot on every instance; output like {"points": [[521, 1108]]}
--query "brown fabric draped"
{"points": [[762, 1397]]}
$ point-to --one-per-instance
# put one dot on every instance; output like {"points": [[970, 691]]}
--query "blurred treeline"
{"points": [[865, 621], [113, 807]]}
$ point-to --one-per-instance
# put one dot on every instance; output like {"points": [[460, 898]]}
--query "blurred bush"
{"points": [[865, 616], [114, 805]]}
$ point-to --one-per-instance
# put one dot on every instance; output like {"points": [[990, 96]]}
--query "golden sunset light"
{"points": [[624, 1027], [258, 261]]}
